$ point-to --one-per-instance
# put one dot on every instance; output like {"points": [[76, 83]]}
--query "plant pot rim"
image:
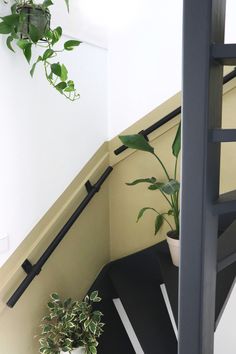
{"points": [[173, 234], [37, 7]]}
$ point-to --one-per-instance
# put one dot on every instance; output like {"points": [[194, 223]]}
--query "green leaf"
{"points": [[92, 327], [61, 86], [34, 33], [69, 45], [4, 28], [142, 211], [70, 86], [46, 4], [8, 41], [93, 350], [93, 295], [34, 66], [142, 180], [158, 223], [137, 142], [82, 317], [11, 20], [27, 52], [56, 35], [171, 187], [67, 5], [22, 43], [48, 54], [13, 8], [177, 142], [155, 186], [64, 73], [56, 69], [55, 297]]}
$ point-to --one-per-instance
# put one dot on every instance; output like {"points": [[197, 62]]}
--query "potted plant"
{"points": [[28, 26], [169, 188], [71, 326]]}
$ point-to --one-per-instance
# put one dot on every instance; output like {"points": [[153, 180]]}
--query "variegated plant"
{"points": [[71, 324], [168, 188]]}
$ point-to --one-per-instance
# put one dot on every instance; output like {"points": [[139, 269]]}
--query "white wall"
{"points": [[45, 140], [144, 61]]}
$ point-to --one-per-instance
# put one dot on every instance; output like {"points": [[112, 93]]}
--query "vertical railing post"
{"points": [[204, 22]]}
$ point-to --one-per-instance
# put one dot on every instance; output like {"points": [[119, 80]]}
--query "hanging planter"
{"points": [[28, 26], [33, 16]]}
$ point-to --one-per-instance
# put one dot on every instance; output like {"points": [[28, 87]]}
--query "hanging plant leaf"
{"points": [[69, 45], [55, 35], [64, 73], [61, 86], [4, 28], [56, 69], [11, 20], [177, 142], [27, 52], [70, 86], [158, 223], [137, 142], [48, 54], [34, 33], [46, 4], [67, 5], [142, 180], [8, 41], [22, 43]]}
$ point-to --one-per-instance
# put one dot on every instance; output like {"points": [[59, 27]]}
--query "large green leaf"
{"points": [[69, 45], [171, 187], [142, 211], [142, 180], [158, 223], [34, 33], [56, 69], [11, 20], [177, 142], [4, 28], [48, 54], [61, 86], [137, 142], [27, 51]]}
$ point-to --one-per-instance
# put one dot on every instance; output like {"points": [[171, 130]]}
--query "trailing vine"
{"points": [[27, 26]]}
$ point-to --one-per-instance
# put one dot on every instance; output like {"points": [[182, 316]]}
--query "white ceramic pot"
{"points": [[174, 246], [79, 350]]}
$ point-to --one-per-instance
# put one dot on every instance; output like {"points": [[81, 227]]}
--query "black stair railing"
{"points": [[33, 270], [169, 116]]}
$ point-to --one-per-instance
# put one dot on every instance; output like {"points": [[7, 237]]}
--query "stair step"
{"points": [[170, 273], [137, 282], [226, 203], [114, 339]]}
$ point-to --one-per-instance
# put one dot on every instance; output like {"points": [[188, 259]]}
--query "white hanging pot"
{"points": [[174, 247], [80, 350]]}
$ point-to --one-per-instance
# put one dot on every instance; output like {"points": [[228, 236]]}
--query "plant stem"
{"points": [[162, 165]]}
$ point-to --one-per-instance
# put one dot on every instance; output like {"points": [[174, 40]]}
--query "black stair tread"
{"points": [[114, 340], [137, 282], [225, 280]]}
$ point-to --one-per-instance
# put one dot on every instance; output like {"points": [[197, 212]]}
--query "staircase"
{"points": [[136, 280]]}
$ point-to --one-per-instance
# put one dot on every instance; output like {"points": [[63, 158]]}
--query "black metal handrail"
{"points": [[33, 270], [169, 116]]}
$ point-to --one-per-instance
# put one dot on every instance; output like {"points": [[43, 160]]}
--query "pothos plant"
{"points": [[71, 324], [169, 188], [28, 26]]}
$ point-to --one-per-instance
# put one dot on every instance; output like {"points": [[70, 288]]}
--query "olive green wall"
{"points": [[70, 270]]}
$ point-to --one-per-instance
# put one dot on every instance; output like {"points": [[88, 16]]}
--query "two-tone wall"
{"points": [[106, 230]]}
